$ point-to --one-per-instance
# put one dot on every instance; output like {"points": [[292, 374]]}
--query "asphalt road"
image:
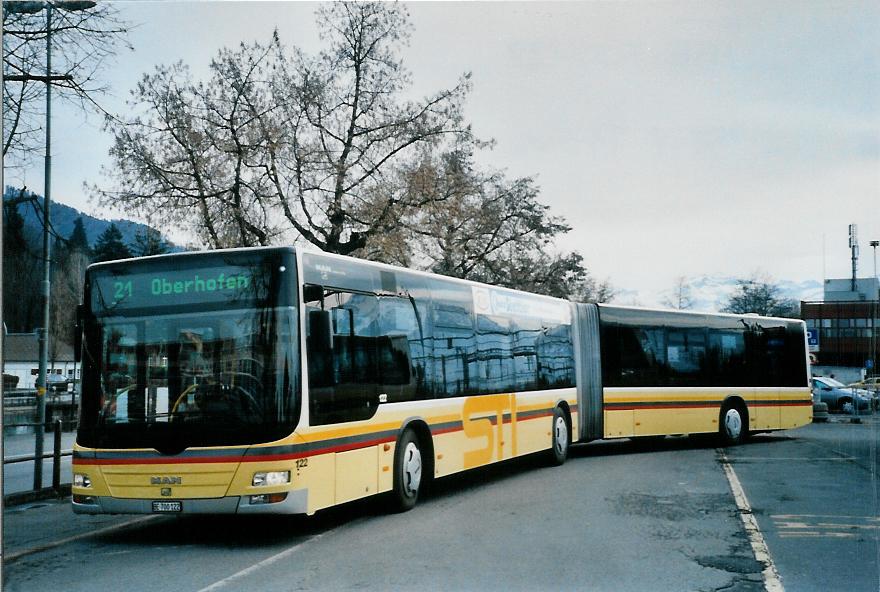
{"points": [[614, 517]]}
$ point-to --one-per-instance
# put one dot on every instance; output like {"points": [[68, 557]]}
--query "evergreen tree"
{"points": [[110, 246], [148, 242], [78, 240], [14, 240], [21, 273]]}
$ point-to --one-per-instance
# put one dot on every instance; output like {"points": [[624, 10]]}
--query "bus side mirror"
{"points": [[313, 293], [320, 338], [77, 335]]}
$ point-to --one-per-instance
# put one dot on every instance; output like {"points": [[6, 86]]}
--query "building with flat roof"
{"points": [[848, 323]]}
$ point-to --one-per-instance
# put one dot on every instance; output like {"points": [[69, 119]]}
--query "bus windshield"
{"points": [[188, 377]]}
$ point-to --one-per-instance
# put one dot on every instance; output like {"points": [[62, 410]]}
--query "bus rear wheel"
{"points": [[408, 467], [733, 425], [560, 437]]}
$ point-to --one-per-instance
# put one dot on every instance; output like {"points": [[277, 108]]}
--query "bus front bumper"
{"points": [[296, 502]]}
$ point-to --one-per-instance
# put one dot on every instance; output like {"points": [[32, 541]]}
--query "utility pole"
{"points": [[43, 332], [43, 335]]}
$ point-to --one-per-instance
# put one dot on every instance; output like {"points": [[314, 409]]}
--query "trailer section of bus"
{"points": [[666, 372]]}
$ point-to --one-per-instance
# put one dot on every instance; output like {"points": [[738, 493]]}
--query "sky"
{"points": [[676, 138]]}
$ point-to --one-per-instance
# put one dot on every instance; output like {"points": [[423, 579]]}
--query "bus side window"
{"points": [[454, 339], [342, 355], [401, 374], [555, 356], [319, 343], [495, 355]]}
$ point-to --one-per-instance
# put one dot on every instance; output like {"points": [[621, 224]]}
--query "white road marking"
{"points": [[846, 516], [817, 535], [792, 458], [772, 580], [264, 563], [51, 545]]}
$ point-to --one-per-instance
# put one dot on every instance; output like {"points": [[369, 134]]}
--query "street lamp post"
{"points": [[876, 312], [43, 332]]}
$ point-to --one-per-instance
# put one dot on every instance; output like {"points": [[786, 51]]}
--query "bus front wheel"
{"points": [[560, 437], [733, 426], [408, 466]]}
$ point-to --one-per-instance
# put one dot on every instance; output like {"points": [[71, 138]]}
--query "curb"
{"points": [[26, 497], [843, 418]]}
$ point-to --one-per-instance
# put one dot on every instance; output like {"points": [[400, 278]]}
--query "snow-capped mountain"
{"points": [[711, 292]]}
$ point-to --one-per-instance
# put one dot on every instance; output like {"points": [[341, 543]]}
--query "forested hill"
{"points": [[63, 216]]}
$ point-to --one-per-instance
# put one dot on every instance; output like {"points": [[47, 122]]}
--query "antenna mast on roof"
{"points": [[854, 246]]}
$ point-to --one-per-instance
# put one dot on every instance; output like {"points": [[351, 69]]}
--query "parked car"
{"points": [[869, 384], [58, 382], [839, 397], [820, 410]]}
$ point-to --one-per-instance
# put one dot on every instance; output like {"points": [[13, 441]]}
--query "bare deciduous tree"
{"points": [[760, 295], [680, 298], [280, 145], [485, 227], [82, 43], [68, 276]]}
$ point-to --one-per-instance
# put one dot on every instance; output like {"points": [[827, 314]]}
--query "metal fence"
{"points": [[55, 455]]}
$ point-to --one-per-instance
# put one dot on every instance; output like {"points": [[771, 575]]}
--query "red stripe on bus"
{"points": [[784, 404], [667, 406], [157, 461], [267, 457], [674, 406]]}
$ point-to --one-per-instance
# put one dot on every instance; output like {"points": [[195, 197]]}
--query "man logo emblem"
{"points": [[166, 491], [165, 481]]}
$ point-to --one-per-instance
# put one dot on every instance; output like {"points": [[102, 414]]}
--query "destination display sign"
{"points": [[126, 289]]}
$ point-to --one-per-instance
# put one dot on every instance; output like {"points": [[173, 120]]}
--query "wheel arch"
{"points": [[735, 401], [420, 428], [738, 402], [566, 411]]}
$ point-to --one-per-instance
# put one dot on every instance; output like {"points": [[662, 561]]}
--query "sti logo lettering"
{"points": [[481, 426]]}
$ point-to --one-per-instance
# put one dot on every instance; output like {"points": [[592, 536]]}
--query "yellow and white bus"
{"points": [[276, 381]]}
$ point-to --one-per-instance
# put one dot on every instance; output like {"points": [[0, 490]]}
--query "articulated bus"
{"points": [[271, 380]]}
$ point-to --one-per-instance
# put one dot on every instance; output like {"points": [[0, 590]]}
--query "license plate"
{"points": [[167, 506]]}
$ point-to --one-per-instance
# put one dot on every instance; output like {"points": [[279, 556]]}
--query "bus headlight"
{"points": [[268, 478], [80, 480]]}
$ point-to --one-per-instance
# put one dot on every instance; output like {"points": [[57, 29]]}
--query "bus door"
{"points": [[588, 371]]}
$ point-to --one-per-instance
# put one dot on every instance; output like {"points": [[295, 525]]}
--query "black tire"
{"points": [[560, 437], [842, 402], [733, 424], [408, 468]]}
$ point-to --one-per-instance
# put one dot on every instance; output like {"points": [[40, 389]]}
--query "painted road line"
{"points": [[818, 535], [742, 459], [818, 526], [258, 566], [772, 581], [268, 561], [845, 516], [51, 545]]}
